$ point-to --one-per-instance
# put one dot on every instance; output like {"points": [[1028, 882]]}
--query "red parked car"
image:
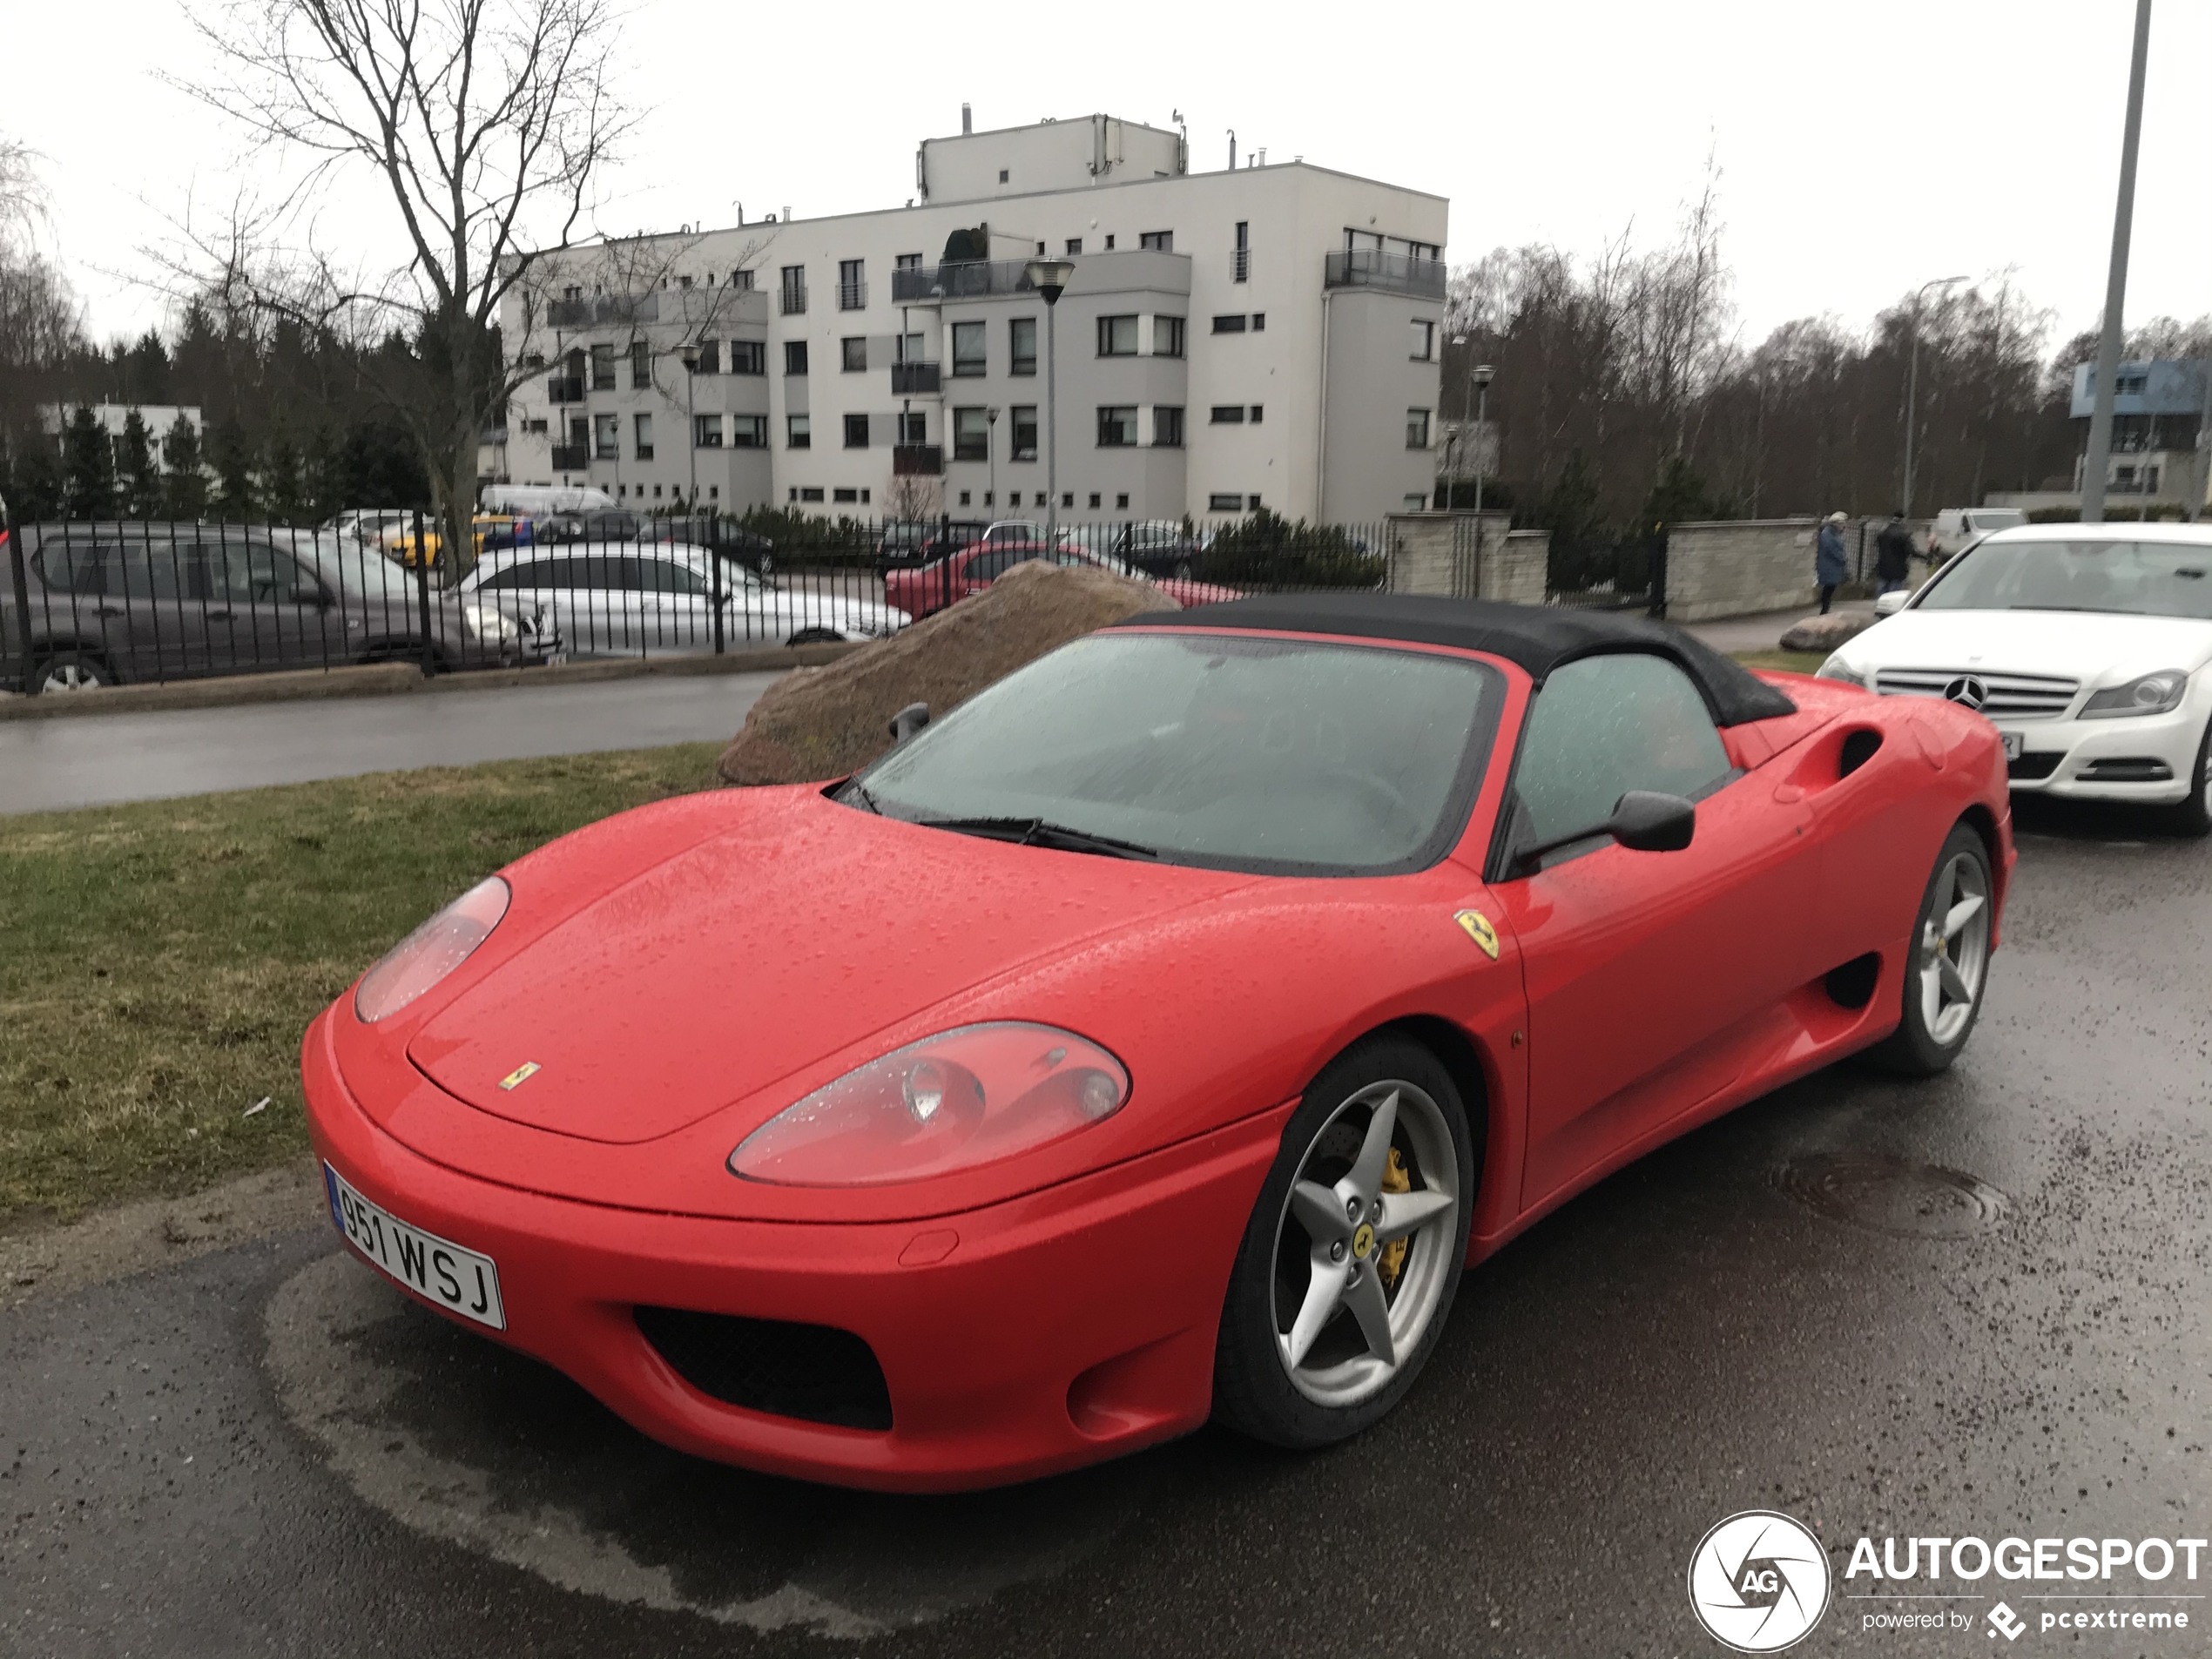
{"points": [[924, 1184], [933, 586]]}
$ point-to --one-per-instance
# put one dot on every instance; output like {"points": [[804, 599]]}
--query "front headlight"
{"points": [[431, 952], [487, 623], [1836, 668], [968, 1096], [2159, 693]]}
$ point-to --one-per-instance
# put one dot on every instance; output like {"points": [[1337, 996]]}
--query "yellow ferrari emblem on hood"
{"points": [[527, 1070], [1480, 930]]}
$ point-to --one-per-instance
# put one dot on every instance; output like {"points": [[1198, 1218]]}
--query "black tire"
{"points": [[2194, 816], [1253, 1391], [816, 636], [1916, 1049], [68, 670], [1183, 569]]}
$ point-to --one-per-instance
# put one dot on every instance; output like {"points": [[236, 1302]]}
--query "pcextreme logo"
{"points": [[1758, 1581]]}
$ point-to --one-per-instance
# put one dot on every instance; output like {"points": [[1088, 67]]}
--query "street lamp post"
{"points": [[2099, 459], [690, 356], [1483, 374], [1050, 278], [991, 450], [1913, 379]]}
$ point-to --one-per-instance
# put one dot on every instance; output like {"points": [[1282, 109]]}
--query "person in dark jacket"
{"points": [[1892, 554], [1829, 569]]}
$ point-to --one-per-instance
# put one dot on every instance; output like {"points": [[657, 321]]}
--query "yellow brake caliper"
{"points": [[1395, 1180]]}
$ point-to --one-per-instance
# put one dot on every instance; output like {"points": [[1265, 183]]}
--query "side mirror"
{"points": [[1644, 820], [909, 720], [1890, 604]]}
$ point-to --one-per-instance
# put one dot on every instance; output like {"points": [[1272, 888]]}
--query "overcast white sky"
{"points": [[1865, 147]]}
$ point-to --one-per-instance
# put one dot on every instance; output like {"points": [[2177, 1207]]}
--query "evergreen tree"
{"points": [[282, 489], [141, 478], [88, 467], [184, 486], [234, 464], [32, 473]]}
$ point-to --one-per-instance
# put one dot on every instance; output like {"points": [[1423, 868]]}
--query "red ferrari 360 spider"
{"points": [[1154, 1038]]}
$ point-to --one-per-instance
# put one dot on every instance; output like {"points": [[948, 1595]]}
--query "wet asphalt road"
{"points": [[93, 760], [264, 1452]]}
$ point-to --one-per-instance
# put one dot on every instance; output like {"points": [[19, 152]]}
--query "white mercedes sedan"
{"points": [[2089, 647], [625, 597]]}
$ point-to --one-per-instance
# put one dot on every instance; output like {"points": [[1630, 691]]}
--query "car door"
{"points": [[675, 608], [1652, 978]]}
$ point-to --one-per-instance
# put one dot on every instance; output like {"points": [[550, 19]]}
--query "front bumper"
{"points": [[2114, 760], [1030, 1337]]}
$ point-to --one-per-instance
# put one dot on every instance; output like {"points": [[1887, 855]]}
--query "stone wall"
{"points": [[1739, 568], [1467, 555], [1514, 569]]}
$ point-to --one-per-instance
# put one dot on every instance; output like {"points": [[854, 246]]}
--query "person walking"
{"points": [[1892, 554], [1829, 569]]}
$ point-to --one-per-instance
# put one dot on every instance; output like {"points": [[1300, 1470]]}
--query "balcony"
{"points": [[564, 388], [969, 279], [794, 301], [853, 296], [603, 310], [570, 457], [915, 379], [1367, 267], [917, 459]]}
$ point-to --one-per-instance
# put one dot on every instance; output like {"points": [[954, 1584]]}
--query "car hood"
{"points": [[2084, 645], [789, 938]]}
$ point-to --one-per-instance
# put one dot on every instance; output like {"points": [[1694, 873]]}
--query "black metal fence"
{"points": [[1609, 572], [105, 602]]}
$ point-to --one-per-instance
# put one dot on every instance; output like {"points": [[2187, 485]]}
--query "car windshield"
{"points": [[2126, 578], [1274, 755], [347, 566]]}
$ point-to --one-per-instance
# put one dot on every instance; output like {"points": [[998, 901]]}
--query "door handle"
{"points": [[110, 611], [219, 615]]}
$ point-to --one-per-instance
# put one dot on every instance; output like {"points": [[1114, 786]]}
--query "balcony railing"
{"points": [[570, 457], [794, 301], [564, 388], [602, 310], [1367, 267], [917, 459], [915, 379], [970, 279], [853, 296]]}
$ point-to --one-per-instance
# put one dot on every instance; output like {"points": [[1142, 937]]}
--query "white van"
{"points": [[540, 501], [1957, 527]]}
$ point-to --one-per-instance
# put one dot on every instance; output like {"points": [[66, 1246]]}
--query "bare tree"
{"points": [[488, 122]]}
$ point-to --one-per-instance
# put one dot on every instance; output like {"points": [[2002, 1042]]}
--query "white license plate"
{"points": [[2012, 745], [430, 1265]]}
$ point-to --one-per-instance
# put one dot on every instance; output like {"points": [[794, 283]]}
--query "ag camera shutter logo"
{"points": [[1758, 1581]]}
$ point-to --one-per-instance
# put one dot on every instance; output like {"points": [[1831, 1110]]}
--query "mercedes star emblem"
{"points": [[1968, 692]]}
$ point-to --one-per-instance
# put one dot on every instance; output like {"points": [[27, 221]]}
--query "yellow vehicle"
{"points": [[492, 532]]}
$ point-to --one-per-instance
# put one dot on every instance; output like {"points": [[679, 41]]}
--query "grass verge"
{"points": [[1794, 662], [163, 957]]}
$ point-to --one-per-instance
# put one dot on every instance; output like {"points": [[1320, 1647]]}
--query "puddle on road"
{"points": [[477, 1445], [1893, 1196]]}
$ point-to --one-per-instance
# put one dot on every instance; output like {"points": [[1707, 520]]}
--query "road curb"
{"points": [[394, 679]]}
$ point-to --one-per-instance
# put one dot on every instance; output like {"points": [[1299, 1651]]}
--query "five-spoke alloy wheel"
{"points": [[1949, 967]]}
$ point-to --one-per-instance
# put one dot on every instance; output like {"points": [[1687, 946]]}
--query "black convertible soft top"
{"points": [[1537, 637]]}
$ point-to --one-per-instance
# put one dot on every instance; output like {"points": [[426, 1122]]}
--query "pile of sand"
{"points": [[825, 722]]}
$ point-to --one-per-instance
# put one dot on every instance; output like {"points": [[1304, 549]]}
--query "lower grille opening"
{"points": [[1852, 985], [2127, 770], [2032, 767], [813, 1372]]}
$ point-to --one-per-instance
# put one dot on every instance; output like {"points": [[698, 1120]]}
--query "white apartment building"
{"points": [[1266, 335]]}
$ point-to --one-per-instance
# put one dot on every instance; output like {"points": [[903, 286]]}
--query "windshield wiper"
{"points": [[854, 787], [1038, 831]]}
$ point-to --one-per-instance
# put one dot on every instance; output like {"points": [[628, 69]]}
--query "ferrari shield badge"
{"points": [[527, 1070], [1480, 930]]}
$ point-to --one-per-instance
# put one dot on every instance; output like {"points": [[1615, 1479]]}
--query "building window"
{"points": [[710, 357], [1167, 336], [1117, 336], [968, 348], [912, 426], [794, 290], [1424, 341], [809, 492], [1022, 346], [748, 357], [1120, 503], [741, 281], [1067, 498], [603, 368], [641, 366], [799, 432], [748, 432], [1258, 410], [963, 498], [851, 285], [1117, 426], [1230, 325], [1158, 241], [1240, 264], [856, 431], [1251, 503], [845, 495], [1022, 422], [1228, 415], [971, 435], [1074, 245], [606, 438], [1417, 428], [706, 432], [908, 348], [1259, 322], [907, 261], [794, 357], [854, 352], [1095, 498], [1167, 425], [1225, 504], [1002, 180], [643, 429]]}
